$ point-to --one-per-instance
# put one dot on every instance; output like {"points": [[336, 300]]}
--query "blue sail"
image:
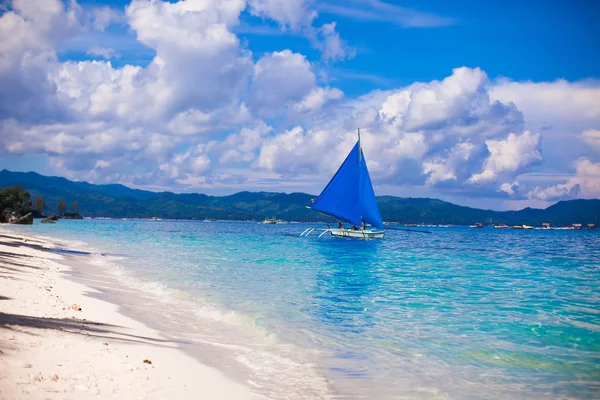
{"points": [[368, 202], [349, 196]]}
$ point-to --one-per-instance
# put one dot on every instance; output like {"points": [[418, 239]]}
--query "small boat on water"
{"points": [[349, 197], [273, 221], [501, 226], [156, 219], [527, 227], [517, 226], [477, 225]]}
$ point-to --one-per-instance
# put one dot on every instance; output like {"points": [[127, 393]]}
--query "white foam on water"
{"points": [[252, 353]]}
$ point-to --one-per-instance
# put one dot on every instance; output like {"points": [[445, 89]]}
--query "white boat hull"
{"points": [[357, 233]]}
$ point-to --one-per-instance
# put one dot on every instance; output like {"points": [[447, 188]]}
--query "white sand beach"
{"points": [[57, 342]]}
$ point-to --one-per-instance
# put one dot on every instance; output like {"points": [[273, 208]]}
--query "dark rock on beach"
{"points": [[15, 218], [50, 219], [72, 215]]}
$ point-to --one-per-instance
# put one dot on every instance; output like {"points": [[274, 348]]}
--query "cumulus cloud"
{"points": [[280, 78], [298, 16], [447, 134], [568, 113], [569, 101], [290, 152], [509, 156], [29, 33], [240, 147], [331, 45], [585, 183], [318, 97], [109, 118], [592, 138], [206, 111], [199, 61], [561, 109]]}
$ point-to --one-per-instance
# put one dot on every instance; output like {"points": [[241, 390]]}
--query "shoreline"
{"points": [[58, 339]]}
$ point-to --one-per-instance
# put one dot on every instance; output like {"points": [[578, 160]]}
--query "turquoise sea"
{"points": [[455, 314]]}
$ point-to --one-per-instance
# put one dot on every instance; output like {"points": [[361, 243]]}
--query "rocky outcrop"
{"points": [[50, 219], [15, 218], [72, 215]]}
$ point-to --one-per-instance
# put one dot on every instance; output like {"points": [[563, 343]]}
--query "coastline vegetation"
{"points": [[16, 206], [15, 202]]}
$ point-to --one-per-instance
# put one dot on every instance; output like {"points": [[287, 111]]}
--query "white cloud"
{"points": [[435, 134], [289, 151], [132, 118], [280, 78], [440, 170], [559, 109], [509, 156], [290, 14], [592, 138], [552, 102], [102, 17], [317, 98], [585, 183], [298, 16], [103, 52], [379, 11], [28, 36], [510, 188], [331, 45], [205, 111], [199, 61], [194, 122], [240, 148]]}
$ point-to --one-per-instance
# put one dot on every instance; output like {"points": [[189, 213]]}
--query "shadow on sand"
{"points": [[16, 266], [75, 326]]}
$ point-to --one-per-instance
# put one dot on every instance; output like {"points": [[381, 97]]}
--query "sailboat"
{"points": [[350, 198]]}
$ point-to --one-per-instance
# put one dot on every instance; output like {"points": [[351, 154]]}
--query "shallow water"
{"points": [[458, 313]]}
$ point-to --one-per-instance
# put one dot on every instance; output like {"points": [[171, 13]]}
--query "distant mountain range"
{"points": [[119, 201]]}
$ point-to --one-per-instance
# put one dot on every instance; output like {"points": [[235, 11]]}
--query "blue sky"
{"points": [[127, 93], [522, 40]]}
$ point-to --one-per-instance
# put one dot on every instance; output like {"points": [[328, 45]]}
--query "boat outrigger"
{"points": [[350, 198]]}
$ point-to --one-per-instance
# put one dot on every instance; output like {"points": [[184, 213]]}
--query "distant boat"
{"points": [[501, 226], [349, 197], [156, 219], [477, 225], [517, 227], [273, 221], [527, 227]]}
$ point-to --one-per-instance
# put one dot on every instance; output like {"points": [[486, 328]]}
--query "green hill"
{"points": [[119, 201]]}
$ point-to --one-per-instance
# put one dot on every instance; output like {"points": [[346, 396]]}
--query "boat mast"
{"points": [[359, 147]]}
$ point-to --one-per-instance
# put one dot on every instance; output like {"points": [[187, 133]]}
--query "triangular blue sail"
{"points": [[340, 197], [349, 196], [368, 202]]}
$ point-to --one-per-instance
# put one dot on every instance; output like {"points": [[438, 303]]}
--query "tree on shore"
{"points": [[61, 206], [14, 199], [40, 203], [74, 206]]}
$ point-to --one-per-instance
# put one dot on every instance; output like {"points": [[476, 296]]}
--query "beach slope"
{"points": [[57, 342]]}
